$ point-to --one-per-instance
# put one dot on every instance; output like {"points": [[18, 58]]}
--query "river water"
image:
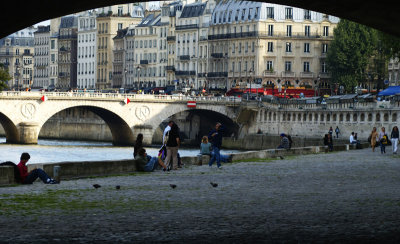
{"points": [[53, 151]]}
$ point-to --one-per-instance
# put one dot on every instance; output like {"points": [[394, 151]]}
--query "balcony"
{"points": [[268, 73], [324, 75], [217, 74], [288, 74], [171, 38], [170, 67], [185, 27], [185, 73], [201, 75], [144, 61], [306, 74], [217, 55], [184, 57]]}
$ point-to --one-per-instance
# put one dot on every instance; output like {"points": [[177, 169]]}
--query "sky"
{"points": [[47, 22]]}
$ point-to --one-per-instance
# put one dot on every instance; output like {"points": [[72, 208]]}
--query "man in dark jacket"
{"points": [[215, 136]]}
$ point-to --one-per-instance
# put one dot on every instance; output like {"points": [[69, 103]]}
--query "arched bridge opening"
{"points": [[87, 123], [196, 123], [11, 131]]}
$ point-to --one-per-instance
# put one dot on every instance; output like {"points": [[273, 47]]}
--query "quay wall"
{"points": [[73, 170]]}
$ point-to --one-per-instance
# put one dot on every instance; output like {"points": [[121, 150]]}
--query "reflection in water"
{"points": [[52, 151]]}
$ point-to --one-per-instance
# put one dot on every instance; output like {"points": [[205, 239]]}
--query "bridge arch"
{"points": [[207, 116], [10, 129], [122, 134]]}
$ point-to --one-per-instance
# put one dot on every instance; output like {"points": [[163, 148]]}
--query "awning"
{"points": [[391, 90]]}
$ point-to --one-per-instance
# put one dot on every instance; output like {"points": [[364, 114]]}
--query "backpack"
{"points": [[17, 175], [384, 140]]}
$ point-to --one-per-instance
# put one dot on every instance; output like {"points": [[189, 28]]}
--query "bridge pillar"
{"points": [[146, 130], [28, 132]]}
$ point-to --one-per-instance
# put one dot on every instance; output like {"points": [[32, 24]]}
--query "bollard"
{"points": [[56, 172]]}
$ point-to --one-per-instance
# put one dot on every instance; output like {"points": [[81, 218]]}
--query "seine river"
{"points": [[52, 151]]}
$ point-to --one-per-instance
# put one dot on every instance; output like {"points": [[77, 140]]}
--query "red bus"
{"points": [[288, 93]]}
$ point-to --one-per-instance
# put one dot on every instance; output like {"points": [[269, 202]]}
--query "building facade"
{"points": [[16, 54], [258, 44], [41, 58], [87, 50], [67, 53], [118, 59], [107, 27]]}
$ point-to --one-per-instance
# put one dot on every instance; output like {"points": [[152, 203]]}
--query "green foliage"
{"points": [[4, 76], [350, 53], [390, 45]]}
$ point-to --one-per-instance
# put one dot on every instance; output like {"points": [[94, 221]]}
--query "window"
{"points": [[323, 67], [307, 14], [252, 47], [270, 46], [240, 47], [288, 13], [249, 15], [229, 16], [288, 66], [243, 13], [233, 47], [306, 47], [289, 30], [307, 30], [270, 30], [288, 47], [324, 48], [246, 47], [240, 66], [237, 15], [306, 67], [326, 31], [270, 65], [270, 12], [53, 44], [256, 14], [233, 66]]}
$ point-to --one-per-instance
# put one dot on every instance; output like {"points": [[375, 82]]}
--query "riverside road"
{"points": [[339, 197]]}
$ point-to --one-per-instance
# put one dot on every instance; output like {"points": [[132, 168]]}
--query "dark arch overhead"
{"points": [[382, 15], [11, 131]]}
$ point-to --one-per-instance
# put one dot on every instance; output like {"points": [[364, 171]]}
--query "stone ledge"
{"points": [[73, 170]]}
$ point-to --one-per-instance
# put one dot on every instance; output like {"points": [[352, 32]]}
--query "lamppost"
{"points": [[124, 82]]}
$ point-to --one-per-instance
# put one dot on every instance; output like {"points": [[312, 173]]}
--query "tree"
{"points": [[390, 45], [350, 52], [4, 76]]}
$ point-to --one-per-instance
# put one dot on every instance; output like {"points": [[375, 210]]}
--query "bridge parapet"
{"points": [[119, 96]]}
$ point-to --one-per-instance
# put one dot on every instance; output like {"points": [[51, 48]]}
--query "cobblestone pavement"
{"points": [[339, 197]]}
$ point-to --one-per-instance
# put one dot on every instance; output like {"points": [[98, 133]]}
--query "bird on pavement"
{"points": [[214, 184], [117, 187], [96, 186], [172, 186], [281, 157]]}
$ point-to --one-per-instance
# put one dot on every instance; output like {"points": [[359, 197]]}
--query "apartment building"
{"points": [[193, 18], [67, 53], [118, 59], [107, 26], [394, 72], [41, 58], [87, 50], [16, 54], [254, 44]]}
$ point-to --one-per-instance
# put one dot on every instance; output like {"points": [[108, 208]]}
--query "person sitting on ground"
{"points": [[352, 139], [30, 177], [284, 142], [205, 146], [328, 141], [144, 164], [138, 144]]}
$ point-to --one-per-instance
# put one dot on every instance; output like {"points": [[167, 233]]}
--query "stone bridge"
{"points": [[22, 114]]}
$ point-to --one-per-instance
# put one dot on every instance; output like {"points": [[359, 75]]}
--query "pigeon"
{"points": [[96, 186], [281, 157], [172, 186], [214, 184], [117, 187]]}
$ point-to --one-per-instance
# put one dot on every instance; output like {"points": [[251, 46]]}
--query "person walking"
{"points": [[337, 131], [330, 131], [30, 177], [394, 137], [374, 137], [215, 136], [172, 144], [138, 144], [383, 140]]}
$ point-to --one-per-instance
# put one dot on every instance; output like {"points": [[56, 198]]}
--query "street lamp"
{"points": [[137, 72], [124, 82]]}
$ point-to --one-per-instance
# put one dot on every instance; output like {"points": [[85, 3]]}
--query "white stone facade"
{"points": [[41, 57], [87, 54]]}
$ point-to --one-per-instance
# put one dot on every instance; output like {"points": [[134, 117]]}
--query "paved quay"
{"points": [[340, 197]]}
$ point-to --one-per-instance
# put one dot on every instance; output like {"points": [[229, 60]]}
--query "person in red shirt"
{"points": [[30, 177]]}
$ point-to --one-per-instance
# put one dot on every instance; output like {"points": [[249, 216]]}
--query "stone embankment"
{"points": [[71, 170]]}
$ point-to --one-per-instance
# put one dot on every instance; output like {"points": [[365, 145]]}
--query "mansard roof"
{"points": [[193, 10], [69, 22]]}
